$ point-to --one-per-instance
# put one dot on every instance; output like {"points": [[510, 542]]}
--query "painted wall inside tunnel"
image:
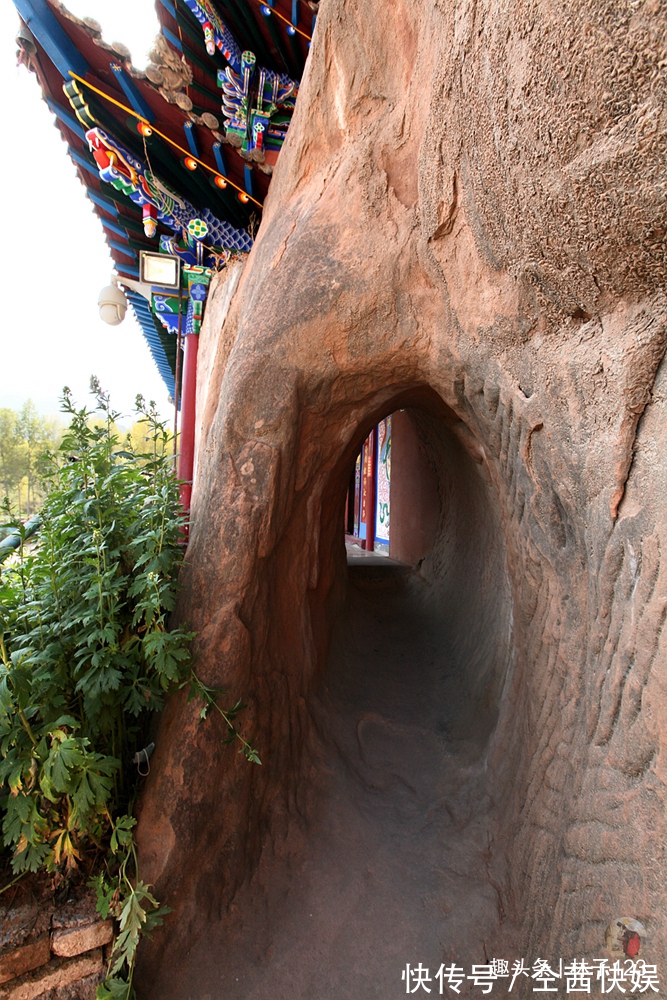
{"points": [[405, 492], [383, 485]]}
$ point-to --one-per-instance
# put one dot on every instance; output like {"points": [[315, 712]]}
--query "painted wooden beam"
{"points": [[132, 93], [53, 38]]}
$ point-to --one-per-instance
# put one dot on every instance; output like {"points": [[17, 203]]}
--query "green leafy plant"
{"points": [[210, 697], [86, 654], [86, 658], [122, 895]]}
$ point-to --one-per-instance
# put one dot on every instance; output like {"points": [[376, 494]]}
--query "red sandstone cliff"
{"points": [[468, 220]]}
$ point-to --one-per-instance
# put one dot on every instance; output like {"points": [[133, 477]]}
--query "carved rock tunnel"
{"points": [[382, 853], [445, 212]]}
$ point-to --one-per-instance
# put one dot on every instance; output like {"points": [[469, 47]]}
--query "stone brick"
{"points": [[58, 975], [76, 912], [23, 923], [77, 940], [20, 960]]}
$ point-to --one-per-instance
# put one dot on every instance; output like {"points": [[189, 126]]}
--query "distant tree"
{"points": [[26, 439], [30, 428], [12, 457], [141, 441]]}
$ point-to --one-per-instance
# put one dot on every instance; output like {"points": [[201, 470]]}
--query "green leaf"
{"points": [[104, 893], [114, 988], [132, 923], [122, 833]]}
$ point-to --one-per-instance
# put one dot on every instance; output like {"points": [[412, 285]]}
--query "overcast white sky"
{"points": [[53, 255]]}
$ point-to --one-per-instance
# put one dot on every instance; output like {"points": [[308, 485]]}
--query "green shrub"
{"points": [[86, 652], [86, 657]]}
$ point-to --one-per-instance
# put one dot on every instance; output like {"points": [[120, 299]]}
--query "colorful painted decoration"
{"points": [[198, 229], [216, 33], [125, 172], [189, 251], [198, 279], [258, 106], [168, 307], [77, 100], [257, 103], [149, 219], [383, 482]]}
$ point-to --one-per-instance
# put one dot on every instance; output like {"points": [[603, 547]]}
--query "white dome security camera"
{"points": [[112, 303]]}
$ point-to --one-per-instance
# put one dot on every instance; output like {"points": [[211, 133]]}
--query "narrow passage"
{"points": [[390, 867]]}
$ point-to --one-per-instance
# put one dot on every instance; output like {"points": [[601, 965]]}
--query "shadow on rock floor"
{"points": [[393, 867]]}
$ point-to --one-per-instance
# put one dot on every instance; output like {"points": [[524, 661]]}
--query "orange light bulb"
{"points": [[190, 163], [220, 181]]}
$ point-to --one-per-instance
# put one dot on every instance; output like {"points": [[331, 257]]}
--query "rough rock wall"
{"points": [[471, 204]]}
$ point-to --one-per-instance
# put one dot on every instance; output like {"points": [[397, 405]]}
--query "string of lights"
{"points": [[271, 10], [190, 161]]}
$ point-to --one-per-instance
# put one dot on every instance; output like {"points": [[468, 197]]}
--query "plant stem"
{"points": [[247, 748], [26, 726], [13, 882]]}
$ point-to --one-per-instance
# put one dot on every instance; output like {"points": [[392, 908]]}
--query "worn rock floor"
{"points": [[392, 868]]}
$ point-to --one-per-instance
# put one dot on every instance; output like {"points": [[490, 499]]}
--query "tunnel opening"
{"points": [[426, 572], [407, 707], [378, 856], [392, 506]]}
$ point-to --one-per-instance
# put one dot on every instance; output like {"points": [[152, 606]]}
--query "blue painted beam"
{"points": [[53, 38], [219, 161], [127, 268], [72, 123], [113, 228], [247, 179], [189, 129], [145, 320], [169, 7], [104, 203], [122, 248], [132, 93], [171, 37], [83, 162]]}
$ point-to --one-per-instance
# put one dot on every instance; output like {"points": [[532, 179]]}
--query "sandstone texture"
{"points": [[465, 760]]}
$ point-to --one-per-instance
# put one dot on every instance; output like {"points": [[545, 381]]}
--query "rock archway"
{"points": [[461, 205]]}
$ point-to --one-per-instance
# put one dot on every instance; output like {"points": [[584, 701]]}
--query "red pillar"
{"points": [[186, 455], [370, 449], [415, 500]]}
